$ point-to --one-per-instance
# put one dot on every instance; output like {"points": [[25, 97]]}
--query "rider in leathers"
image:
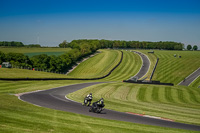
{"points": [[89, 98], [100, 103]]}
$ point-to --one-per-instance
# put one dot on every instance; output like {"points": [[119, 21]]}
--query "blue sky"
{"points": [[49, 22]]}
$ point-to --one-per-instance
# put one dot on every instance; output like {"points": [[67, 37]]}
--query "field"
{"points": [[129, 67], [172, 69], [177, 103], [36, 51], [19, 116], [196, 83], [101, 64], [97, 66], [23, 73], [174, 102]]}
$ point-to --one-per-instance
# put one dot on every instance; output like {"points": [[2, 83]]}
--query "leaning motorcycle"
{"points": [[87, 101], [96, 108]]}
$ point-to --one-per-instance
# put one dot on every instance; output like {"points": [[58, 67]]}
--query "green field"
{"points": [[196, 83], [47, 53], [129, 67], [97, 66], [177, 103], [23, 73], [19, 116], [174, 102], [33, 50], [102, 63], [172, 69], [36, 51]]}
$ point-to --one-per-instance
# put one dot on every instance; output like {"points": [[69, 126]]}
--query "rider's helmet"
{"points": [[90, 93], [101, 99]]}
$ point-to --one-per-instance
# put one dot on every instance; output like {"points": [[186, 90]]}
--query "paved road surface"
{"points": [[191, 78], [55, 99], [145, 66]]}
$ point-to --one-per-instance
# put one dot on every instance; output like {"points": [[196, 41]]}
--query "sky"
{"points": [[50, 22]]}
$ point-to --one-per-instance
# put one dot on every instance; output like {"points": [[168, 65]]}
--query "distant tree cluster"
{"points": [[52, 63], [16, 59], [16, 44], [63, 44], [128, 44], [189, 47], [11, 44]]}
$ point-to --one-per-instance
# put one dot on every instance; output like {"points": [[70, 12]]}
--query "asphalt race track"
{"points": [[55, 99], [145, 66], [191, 78]]}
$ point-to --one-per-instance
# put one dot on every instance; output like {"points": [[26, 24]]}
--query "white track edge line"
{"points": [[189, 76]]}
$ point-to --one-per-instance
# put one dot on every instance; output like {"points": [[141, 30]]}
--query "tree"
{"points": [[63, 44], [189, 47], [195, 47], [2, 57]]}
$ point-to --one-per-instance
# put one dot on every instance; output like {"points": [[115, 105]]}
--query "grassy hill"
{"points": [[19, 116], [129, 67], [97, 66], [172, 69], [176, 103]]}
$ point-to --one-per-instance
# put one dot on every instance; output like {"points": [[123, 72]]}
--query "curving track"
{"points": [[55, 99], [145, 65], [187, 81]]}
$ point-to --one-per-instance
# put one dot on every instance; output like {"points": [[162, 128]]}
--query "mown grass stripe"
{"points": [[180, 96], [154, 95], [192, 96], [168, 95], [141, 94], [173, 69]]}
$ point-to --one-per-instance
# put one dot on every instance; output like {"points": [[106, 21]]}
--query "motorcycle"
{"points": [[87, 101], [96, 108]]}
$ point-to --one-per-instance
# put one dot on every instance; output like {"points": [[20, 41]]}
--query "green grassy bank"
{"points": [[176, 103], [18, 116]]}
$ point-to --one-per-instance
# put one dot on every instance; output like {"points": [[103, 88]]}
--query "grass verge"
{"points": [[178, 103], [19, 116]]}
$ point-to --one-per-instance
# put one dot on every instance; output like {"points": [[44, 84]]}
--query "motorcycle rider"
{"points": [[89, 99], [97, 106], [100, 103]]}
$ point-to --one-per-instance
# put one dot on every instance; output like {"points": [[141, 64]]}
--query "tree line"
{"points": [[79, 49], [58, 64], [189, 47], [167, 45], [17, 44]]}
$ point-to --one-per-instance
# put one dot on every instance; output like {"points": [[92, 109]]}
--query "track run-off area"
{"points": [[55, 99]]}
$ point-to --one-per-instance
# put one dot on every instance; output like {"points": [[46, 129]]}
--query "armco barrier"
{"points": [[154, 69], [18, 79], [151, 82]]}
